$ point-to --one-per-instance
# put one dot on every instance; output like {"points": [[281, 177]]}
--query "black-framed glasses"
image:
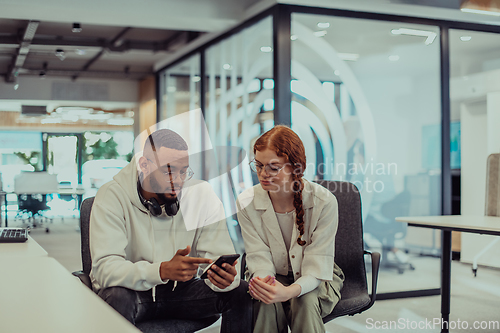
{"points": [[271, 170], [186, 175]]}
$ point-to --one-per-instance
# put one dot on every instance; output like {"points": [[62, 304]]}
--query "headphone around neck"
{"points": [[154, 207]]}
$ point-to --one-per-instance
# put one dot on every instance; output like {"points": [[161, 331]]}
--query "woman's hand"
{"points": [[269, 291]]}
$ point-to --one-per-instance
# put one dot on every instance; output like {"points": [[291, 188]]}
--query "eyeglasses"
{"points": [[271, 170], [186, 175]]}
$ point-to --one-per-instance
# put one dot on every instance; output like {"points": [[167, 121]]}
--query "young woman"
{"points": [[288, 226]]}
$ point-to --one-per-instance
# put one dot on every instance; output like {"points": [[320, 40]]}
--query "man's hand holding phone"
{"points": [[222, 272], [181, 267], [222, 277]]}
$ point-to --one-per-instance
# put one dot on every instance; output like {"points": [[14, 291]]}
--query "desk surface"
{"points": [[40, 295], [30, 248], [466, 223]]}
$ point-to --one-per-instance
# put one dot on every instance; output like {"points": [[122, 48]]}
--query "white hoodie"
{"points": [[128, 244]]}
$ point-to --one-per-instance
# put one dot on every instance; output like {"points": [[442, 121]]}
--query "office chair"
{"points": [[151, 326], [32, 189], [349, 253]]}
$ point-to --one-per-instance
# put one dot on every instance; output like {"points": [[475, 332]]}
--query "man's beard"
{"points": [[165, 198]]}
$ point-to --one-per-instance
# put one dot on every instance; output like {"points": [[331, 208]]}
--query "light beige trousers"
{"points": [[303, 314]]}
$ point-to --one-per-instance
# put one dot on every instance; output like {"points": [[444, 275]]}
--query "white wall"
{"points": [[480, 137]]}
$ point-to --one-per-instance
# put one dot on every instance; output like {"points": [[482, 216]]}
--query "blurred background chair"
{"points": [[492, 202], [151, 326], [384, 228], [32, 189]]}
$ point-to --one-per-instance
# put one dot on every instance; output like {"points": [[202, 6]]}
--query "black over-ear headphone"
{"points": [[171, 208]]}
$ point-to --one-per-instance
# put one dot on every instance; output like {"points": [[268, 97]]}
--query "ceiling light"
{"points": [[465, 38], [60, 54], [70, 117], [51, 120], [120, 121], [348, 56], [80, 51], [266, 49], [293, 37], [320, 33], [196, 78], [323, 25], [336, 72], [118, 42], [76, 27], [16, 86], [227, 67], [431, 35], [96, 116], [394, 57], [74, 110]]}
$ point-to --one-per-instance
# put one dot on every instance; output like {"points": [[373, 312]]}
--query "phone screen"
{"points": [[228, 259]]}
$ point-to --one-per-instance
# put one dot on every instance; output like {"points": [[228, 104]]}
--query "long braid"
{"points": [[299, 210]]}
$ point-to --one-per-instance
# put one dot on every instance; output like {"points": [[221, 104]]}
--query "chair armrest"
{"points": [[84, 277], [375, 256]]}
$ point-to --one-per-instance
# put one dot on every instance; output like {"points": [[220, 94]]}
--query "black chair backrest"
{"points": [[349, 247], [85, 210]]}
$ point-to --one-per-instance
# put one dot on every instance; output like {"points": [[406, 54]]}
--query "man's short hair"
{"points": [[165, 138]]}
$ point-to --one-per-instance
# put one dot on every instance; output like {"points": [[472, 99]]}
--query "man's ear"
{"points": [[144, 166]]}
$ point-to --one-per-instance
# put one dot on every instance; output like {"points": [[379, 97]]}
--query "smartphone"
{"points": [[225, 259]]}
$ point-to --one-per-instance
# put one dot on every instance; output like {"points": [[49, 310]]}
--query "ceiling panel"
{"points": [[96, 47]]}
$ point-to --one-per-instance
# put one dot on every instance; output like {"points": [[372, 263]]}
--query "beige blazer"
{"points": [[264, 245]]}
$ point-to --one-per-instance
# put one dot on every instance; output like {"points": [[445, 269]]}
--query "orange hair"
{"points": [[286, 143]]}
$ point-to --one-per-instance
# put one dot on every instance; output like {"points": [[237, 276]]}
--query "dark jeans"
{"points": [[190, 300]]}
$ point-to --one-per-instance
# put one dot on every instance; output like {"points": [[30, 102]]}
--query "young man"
{"points": [[150, 229]]}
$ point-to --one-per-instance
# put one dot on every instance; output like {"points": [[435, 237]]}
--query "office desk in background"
{"points": [[39, 295], [76, 193], [489, 225]]}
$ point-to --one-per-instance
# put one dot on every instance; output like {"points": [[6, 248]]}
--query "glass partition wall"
{"points": [[239, 103], [366, 103], [369, 95]]}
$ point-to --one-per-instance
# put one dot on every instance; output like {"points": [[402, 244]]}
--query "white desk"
{"points": [[30, 248], [475, 224], [39, 295]]}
